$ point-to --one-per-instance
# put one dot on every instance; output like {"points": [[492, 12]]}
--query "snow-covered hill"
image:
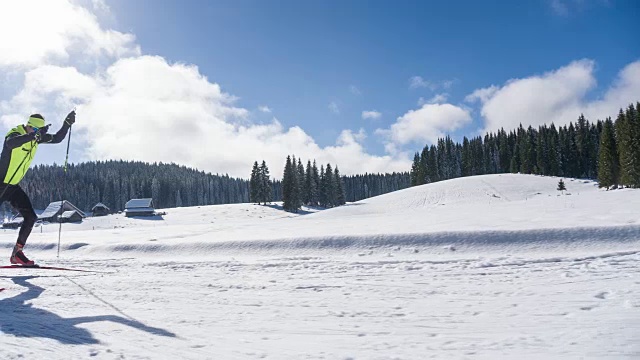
{"points": [[495, 266], [507, 208]]}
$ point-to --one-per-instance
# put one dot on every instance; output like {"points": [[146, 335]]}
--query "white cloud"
{"points": [[334, 108], [67, 83], [53, 32], [430, 122], [481, 94], [354, 90], [177, 115], [623, 91], [264, 109], [348, 137], [371, 115], [552, 97], [143, 108], [436, 99], [558, 96], [418, 82]]}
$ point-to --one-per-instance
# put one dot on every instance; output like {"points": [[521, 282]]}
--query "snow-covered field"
{"points": [[486, 267]]}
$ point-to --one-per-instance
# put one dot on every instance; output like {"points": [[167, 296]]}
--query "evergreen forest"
{"points": [[606, 150]]}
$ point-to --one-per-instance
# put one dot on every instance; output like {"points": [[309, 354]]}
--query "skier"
{"points": [[20, 146]]}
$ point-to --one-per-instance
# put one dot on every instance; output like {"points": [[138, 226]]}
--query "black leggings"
{"points": [[20, 201]]}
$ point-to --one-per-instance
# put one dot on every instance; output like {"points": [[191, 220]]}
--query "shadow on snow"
{"points": [[152, 217], [300, 211], [21, 319]]}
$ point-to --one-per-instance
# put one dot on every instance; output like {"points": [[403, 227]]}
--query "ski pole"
{"points": [[64, 185]]}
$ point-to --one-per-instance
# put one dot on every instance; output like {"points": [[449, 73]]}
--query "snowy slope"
{"points": [[496, 266], [494, 208]]}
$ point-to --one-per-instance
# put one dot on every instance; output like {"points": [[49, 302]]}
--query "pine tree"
{"points": [[633, 120], [503, 150], [315, 195], [582, 145], [563, 150], [490, 154], [310, 185], [636, 140], [296, 187], [608, 162], [330, 186], [561, 186], [432, 164], [302, 183], [323, 197], [542, 152], [528, 151], [593, 143], [442, 160], [287, 186], [554, 151], [266, 193], [454, 158], [415, 170], [254, 184], [466, 157], [340, 195], [423, 178], [573, 168], [624, 139], [514, 165]]}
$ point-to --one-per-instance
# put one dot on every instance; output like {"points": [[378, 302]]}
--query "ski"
{"points": [[45, 268]]}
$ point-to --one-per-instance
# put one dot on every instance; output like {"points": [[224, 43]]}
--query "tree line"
{"points": [[115, 182], [169, 185], [605, 150], [358, 187]]}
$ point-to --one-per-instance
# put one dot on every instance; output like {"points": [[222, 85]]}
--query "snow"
{"points": [[485, 267]]}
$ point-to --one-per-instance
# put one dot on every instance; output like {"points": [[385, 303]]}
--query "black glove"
{"points": [[41, 131], [71, 118]]}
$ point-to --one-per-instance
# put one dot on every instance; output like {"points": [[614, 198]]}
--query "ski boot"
{"points": [[18, 257]]}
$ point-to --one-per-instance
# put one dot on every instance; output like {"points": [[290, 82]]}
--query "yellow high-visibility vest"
{"points": [[21, 158]]}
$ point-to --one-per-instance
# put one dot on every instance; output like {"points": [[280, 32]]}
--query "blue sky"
{"points": [[420, 69], [299, 56]]}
